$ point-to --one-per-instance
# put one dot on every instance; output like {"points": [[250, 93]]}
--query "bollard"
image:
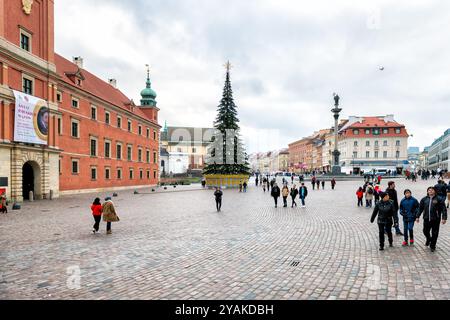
{"points": [[135, 192], [16, 206], [51, 195], [115, 194], [31, 196]]}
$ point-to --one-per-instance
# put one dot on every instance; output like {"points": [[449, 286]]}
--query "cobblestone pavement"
{"points": [[175, 246]]}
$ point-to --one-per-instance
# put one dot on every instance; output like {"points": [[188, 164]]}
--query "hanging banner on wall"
{"points": [[31, 119]]}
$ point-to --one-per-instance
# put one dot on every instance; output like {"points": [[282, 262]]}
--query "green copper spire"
{"points": [[148, 94]]}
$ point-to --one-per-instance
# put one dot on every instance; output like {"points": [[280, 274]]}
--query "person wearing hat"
{"points": [[409, 209], [385, 210], [434, 212], [109, 214]]}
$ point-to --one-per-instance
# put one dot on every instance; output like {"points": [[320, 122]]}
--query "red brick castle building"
{"points": [[87, 135]]}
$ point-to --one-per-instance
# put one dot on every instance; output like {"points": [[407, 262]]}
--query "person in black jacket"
{"points": [[385, 210], [294, 193], [434, 211], [275, 193], [441, 189], [218, 195], [393, 197]]}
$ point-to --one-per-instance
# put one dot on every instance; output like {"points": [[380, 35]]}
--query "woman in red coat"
{"points": [[360, 195], [97, 213]]}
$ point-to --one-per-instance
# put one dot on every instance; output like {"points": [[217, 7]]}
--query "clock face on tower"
{"points": [[27, 6]]}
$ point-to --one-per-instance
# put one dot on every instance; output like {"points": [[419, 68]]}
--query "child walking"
{"points": [[409, 210], [360, 195]]}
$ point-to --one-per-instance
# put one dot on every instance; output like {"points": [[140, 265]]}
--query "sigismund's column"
{"points": [[336, 169]]}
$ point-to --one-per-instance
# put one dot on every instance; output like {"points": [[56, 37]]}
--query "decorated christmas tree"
{"points": [[226, 154]]}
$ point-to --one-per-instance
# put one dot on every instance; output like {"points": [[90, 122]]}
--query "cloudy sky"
{"points": [[288, 57]]}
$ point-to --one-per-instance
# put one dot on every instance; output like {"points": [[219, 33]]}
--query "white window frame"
{"points": [[29, 78], [96, 112], [30, 39], [78, 103], [109, 116], [72, 120], [91, 138], [104, 148], [119, 157], [78, 166]]}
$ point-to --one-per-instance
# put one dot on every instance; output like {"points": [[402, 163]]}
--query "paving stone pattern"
{"points": [[173, 245]]}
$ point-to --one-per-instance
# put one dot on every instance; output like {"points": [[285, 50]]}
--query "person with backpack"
{"points": [[218, 196], [409, 210], [369, 195], [275, 193], [385, 211], [97, 210], [294, 193], [303, 193], [360, 196], [393, 196]]}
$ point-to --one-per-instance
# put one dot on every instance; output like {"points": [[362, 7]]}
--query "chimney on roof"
{"points": [[78, 61], [113, 82]]}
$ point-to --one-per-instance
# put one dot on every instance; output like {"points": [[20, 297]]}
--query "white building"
{"points": [[368, 143], [438, 153]]}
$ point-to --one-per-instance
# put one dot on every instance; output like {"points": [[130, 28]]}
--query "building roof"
{"points": [[96, 86], [381, 122]]}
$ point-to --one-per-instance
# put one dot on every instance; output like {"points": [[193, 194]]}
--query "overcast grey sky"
{"points": [[288, 57]]}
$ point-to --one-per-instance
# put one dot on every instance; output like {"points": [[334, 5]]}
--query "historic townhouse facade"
{"points": [[62, 129], [368, 143]]}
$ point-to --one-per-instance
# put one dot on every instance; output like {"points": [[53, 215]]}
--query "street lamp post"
{"points": [[336, 169]]}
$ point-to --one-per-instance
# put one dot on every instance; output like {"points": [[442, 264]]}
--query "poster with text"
{"points": [[31, 119]]}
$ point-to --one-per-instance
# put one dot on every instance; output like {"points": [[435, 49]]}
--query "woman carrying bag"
{"points": [[109, 214]]}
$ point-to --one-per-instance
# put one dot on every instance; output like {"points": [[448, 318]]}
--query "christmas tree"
{"points": [[226, 154]]}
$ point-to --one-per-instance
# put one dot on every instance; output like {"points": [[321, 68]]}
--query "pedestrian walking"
{"points": [[323, 184], [303, 193], [109, 214], [294, 193], [441, 189], [313, 182], [218, 196], [369, 196], [97, 210], [448, 194], [245, 185], [285, 194], [376, 193], [3, 203], [275, 193], [257, 181], [393, 197], [434, 212], [360, 196], [333, 183], [318, 184], [240, 187], [409, 210], [385, 211]]}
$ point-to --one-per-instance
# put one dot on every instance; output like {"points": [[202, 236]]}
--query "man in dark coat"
{"points": [[275, 193], [393, 197], [385, 210], [409, 209], [218, 195], [434, 212], [441, 189]]}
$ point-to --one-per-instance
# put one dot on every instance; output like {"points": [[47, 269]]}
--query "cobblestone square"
{"points": [[173, 245]]}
